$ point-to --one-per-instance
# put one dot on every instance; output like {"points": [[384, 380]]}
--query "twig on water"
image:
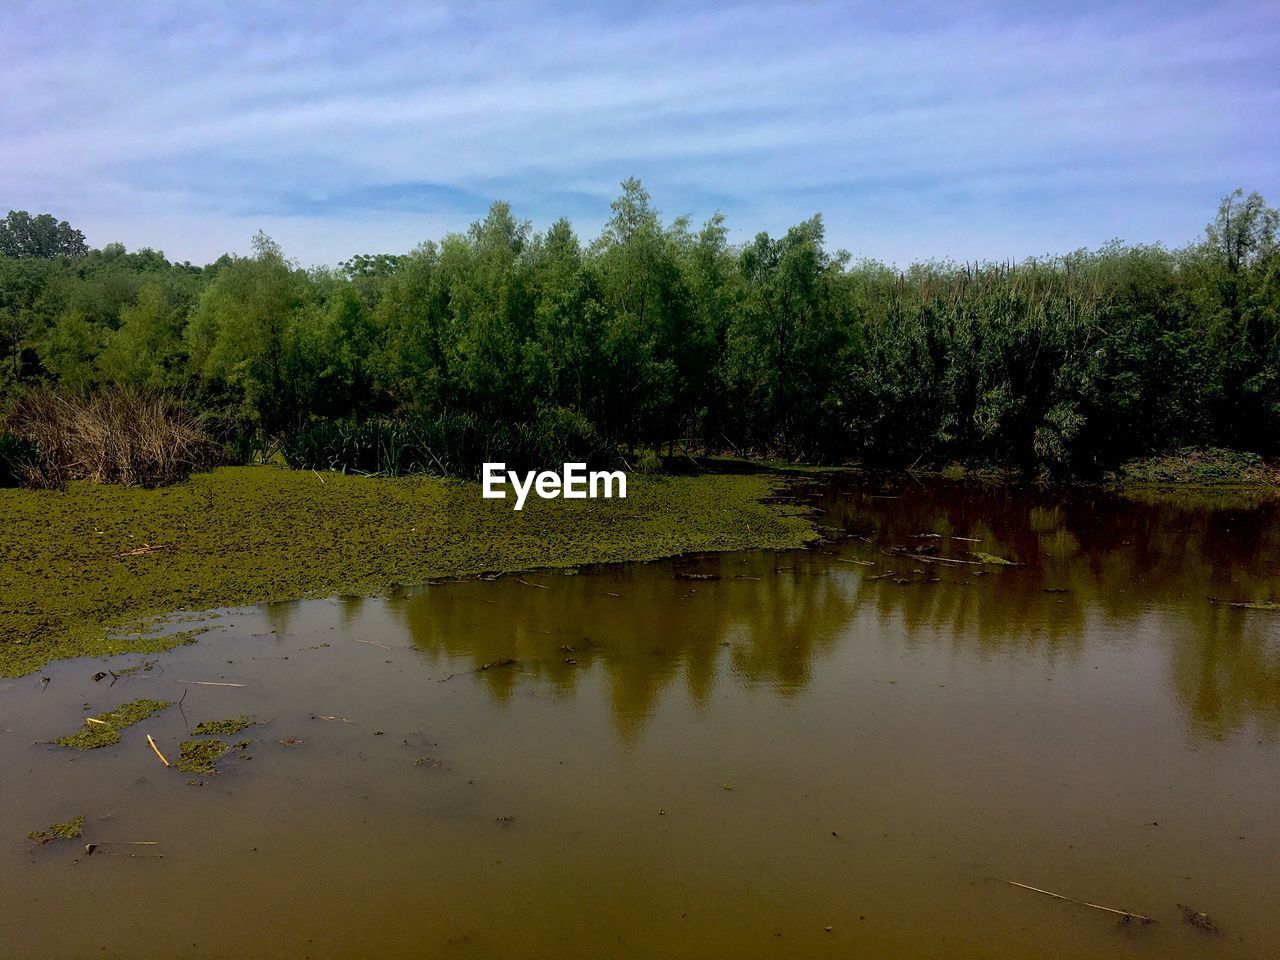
{"points": [[923, 559], [1127, 914], [157, 750], [373, 643]]}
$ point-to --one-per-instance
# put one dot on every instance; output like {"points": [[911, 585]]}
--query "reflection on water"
{"points": [[1091, 566], [827, 753]]}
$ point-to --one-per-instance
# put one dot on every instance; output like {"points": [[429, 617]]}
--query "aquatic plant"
{"points": [[58, 831], [104, 730], [199, 756], [225, 728]]}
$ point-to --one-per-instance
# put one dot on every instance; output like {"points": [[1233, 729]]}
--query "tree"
{"points": [[69, 350], [23, 236], [147, 350], [491, 309], [243, 330], [786, 343], [1244, 231], [635, 260]]}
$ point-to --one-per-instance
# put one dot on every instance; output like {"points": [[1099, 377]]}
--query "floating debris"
{"points": [[223, 728], [1247, 604], [162, 757], [993, 560], [146, 549], [105, 730], [1127, 914], [1200, 920], [199, 756], [58, 831]]}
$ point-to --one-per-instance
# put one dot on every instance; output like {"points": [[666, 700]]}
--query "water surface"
{"points": [[842, 751]]}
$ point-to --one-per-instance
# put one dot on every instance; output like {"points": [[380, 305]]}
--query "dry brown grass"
{"points": [[113, 436]]}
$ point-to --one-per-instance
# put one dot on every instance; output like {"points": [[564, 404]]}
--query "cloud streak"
{"points": [[931, 130]]}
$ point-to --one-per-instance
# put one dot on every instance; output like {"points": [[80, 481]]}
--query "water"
{"points": [[680, 766]]}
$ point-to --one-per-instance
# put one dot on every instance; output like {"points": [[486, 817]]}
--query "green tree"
{"points": [[41, 237], [69, 350], [242, 333], [787, 342], [148, 349]]}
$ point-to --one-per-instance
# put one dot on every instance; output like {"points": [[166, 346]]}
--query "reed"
{"points": [[110, 436]]}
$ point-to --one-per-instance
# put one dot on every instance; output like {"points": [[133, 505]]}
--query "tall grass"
{"points": [[112, 436]]}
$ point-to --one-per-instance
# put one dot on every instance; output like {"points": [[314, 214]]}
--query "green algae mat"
{"points": [[77, 565]]}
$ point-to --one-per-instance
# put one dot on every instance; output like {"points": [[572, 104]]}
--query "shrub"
{"points": [[447, 445], [17, 457], [113, 436]]}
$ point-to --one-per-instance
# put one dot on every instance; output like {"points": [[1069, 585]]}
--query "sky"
{"points": [[939, 129]]}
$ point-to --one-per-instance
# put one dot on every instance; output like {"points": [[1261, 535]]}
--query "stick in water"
{"points": [[1082, 903], [157, 750]]}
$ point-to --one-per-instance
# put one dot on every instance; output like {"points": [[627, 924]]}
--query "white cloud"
{"points": [[1059, 131]]}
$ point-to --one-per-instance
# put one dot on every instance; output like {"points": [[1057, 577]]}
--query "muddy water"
{"points": [[837, 752]]}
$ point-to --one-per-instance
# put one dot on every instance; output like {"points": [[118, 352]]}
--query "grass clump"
{"points": [[199, 756], [113, 436], [1199, 466], [103, 731], [58, 831], [223, 728]]}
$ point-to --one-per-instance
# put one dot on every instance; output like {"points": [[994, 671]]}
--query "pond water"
{"points": [[842, 751]]}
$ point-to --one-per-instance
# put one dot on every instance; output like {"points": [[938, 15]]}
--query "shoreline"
{"points": [[115, 557], [79, 567]]}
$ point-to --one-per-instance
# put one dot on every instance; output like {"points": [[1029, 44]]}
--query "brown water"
{"points": [[687, 767]]}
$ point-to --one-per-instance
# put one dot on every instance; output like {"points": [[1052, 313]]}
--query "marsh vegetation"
{"points": [[503, 343]]}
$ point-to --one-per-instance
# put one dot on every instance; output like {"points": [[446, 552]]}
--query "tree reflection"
{"points": [[902, 563]]}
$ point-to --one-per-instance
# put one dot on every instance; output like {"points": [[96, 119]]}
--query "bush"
{"points": [[114, 436], [453, 445], [17, 457]]}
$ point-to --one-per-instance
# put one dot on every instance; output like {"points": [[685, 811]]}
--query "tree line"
{"points": [[660, 333]]}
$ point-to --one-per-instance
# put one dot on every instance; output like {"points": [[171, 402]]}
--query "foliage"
{"points": [[446, 445], [505, 341], [43, 236]]}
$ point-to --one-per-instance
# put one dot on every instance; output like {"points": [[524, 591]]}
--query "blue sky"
{"points": [[918, 130]]}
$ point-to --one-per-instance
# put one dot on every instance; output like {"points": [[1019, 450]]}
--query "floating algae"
{"points": [[993, 560], [358, 534], [58, 831], [223, 728], [199, 756], [105, 730]]}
